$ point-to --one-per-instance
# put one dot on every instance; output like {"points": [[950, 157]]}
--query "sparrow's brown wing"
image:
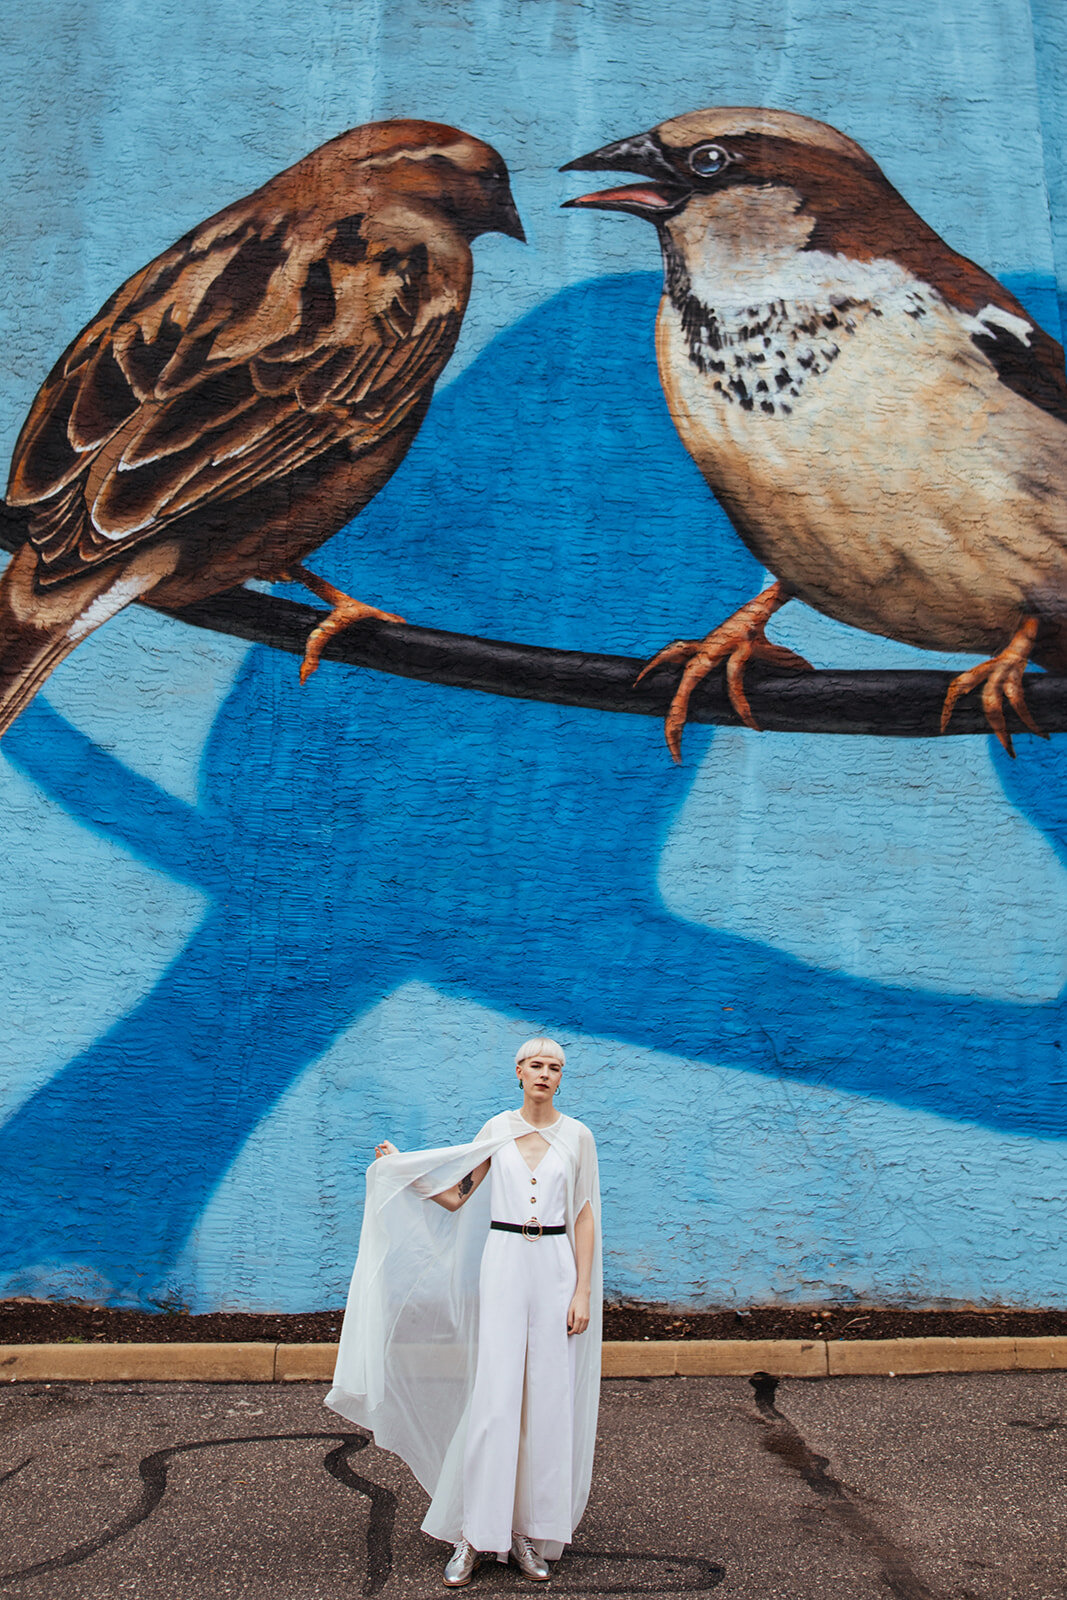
{"points": [[1033, 369], [241, 354], [873, 220], [1027, 359]]}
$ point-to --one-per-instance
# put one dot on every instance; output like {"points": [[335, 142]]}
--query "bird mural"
{"points": [[243, 396], [882, 421]]}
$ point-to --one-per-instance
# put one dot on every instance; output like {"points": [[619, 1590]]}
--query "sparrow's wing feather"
{"points": [[236, 358], [1027, 360], [1033, 369], [134, 351]]}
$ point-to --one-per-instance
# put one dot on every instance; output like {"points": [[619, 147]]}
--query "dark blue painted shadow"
{"points": [[365, 831]]}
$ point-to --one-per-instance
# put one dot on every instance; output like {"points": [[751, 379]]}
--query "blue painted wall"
{"points": [[810, 986]]}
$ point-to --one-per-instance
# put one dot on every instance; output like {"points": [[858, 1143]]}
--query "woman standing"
{"points": [[471, 1340]]}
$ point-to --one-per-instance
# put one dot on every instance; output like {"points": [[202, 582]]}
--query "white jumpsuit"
{"points": [[517, 1459]]}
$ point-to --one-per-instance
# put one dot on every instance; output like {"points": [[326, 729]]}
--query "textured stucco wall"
{"points": [[810, 986]]}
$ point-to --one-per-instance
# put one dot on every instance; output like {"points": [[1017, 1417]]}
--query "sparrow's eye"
{"points": [[708, 159]]}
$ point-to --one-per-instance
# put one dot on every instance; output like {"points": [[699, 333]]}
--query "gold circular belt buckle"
{"points": [[531, 1223]]}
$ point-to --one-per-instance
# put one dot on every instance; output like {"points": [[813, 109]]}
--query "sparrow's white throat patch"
{"points": [[809, 278], [762, 352]]}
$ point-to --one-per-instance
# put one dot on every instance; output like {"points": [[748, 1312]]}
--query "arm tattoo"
{"points": [[465, 1185]]}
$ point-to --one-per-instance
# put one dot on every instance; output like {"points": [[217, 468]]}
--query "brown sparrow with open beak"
{"points": [[884, 424]]}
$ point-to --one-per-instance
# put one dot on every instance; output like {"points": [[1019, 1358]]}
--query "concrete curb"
{"points": [[668, 1358], [648, 1358], [116, 1363]]}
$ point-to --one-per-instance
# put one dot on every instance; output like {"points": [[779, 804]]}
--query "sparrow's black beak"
{"points": [[510, 223], [492, 209], [643, 153], [666, 194], [503, 212]]}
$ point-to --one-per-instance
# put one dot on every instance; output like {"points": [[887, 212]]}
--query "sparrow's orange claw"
{"points": [[737, 641], [1002, 679], [344, 611], [341, 617]]}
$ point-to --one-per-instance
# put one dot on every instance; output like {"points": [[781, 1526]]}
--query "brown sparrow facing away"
{"points": [[247, 393], [882, 421]]}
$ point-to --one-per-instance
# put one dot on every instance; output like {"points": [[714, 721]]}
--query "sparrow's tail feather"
{"points": [[36, 632], [25, 662], [14, 526]]}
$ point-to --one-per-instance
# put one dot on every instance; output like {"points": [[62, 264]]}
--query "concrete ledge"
{"points": [[896, 1356], [639, 1358], [733, 1358], [782, 1358], [1041, 1355], [651, 1358], [115, 1363], [298, 1363]]}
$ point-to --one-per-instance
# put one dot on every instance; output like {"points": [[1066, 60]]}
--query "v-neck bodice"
{"points": [[519, 1192], [522, 1157]]}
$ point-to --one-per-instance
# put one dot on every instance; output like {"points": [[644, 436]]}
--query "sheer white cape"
{"points": [[409, 1342]]}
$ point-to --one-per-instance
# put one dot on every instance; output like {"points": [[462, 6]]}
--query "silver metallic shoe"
{"points": [[460, 1565], [528, 1561]]}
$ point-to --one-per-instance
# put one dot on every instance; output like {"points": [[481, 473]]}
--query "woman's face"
{"points": [[540, 1076]]}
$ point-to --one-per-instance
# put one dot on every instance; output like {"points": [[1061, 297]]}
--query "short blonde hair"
{"points": [[540, 1047]]}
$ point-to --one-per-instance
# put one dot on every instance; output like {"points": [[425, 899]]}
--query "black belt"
{"points": [[521, 1227]]}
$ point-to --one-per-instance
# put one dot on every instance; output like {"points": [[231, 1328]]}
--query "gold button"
{"points": [[533, 1179]]}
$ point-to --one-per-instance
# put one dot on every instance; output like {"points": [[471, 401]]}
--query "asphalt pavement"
{"points": [[926, 1488]]}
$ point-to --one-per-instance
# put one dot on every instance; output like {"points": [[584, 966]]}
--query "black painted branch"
{"points": [[898, 704], [904, 704]]}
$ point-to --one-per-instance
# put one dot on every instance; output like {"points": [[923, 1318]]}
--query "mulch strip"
{"points": [[56, 1322]]}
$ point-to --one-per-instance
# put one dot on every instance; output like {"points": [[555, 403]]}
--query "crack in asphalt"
{"points": [[154, 1468], [382, 1516], [5, 1477], [785, 1441], [682, 1573]]}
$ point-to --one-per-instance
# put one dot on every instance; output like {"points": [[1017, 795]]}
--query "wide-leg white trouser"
{"points": [[517, 1461]]}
